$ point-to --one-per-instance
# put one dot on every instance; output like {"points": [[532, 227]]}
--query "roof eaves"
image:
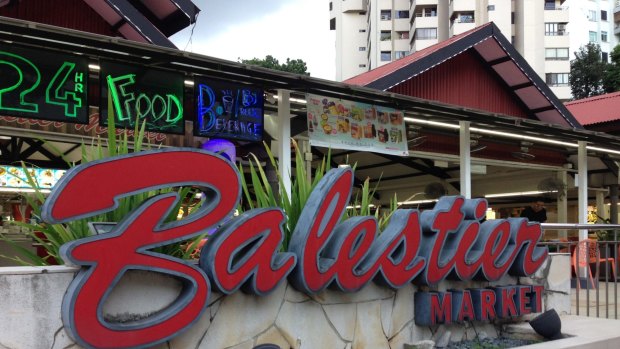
{"points": [[140, 23], [431, 60], [533, 76]]}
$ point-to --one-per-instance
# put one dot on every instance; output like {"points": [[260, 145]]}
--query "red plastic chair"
{"points": [[589, 254]]}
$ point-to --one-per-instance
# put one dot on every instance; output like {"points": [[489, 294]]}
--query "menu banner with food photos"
{"points": [[15, 177], [342, 124]]}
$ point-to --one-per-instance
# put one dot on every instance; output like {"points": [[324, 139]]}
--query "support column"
{"points": [[582, 191], [562, 203], [600, 205], [284, 139], [613, 203], [465, 159], [304, 147]]}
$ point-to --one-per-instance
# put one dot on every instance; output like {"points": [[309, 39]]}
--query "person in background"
{"points": [[536, 212]]}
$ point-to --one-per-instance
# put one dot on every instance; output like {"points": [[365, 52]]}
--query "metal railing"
{"points": [[594, 267]]}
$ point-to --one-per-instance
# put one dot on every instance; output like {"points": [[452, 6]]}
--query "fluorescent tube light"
{"points": [[521, 193]]}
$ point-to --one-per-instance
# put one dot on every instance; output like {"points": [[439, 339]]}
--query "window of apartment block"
{"points": [[557, 79], [401, 14], [402, 35], [592, 15], [555, 29], [427, 12], [556, 54], [362, 65], [386, 56], [400, 54], [362, 30], [512, 18], [426, 33], [362, 48], [331, 6], [386, 35], [603, 15], [592, 36], [605, 57], [491, 8], [603, 36], [386, 15], [549, 4]]}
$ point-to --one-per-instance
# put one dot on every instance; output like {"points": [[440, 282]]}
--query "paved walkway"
{"points": [[608, 295]]}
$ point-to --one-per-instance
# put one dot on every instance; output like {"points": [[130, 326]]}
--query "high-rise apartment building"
{"points": [[370, 33]]}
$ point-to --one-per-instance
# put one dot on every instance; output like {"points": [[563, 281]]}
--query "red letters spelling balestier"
{"points": [[446, 242]]}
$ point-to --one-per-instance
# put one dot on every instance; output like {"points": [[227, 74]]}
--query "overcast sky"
{"points": [[247, 29]]}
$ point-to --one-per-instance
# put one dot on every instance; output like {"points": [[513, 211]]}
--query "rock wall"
{"points": [[375, 317]]}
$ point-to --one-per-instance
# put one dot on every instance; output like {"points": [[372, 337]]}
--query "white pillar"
{"points": [[582, 191], [562, 203], [465, 159], [600, 205], [284, 138], [304, 147]]}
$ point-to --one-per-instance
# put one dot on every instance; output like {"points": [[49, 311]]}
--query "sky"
{"points": [[246, 29]]}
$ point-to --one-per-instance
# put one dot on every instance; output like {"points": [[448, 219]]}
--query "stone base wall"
{"points": [[375, 317]]}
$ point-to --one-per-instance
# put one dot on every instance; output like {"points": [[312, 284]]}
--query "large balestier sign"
{"points": [[425, 248]]}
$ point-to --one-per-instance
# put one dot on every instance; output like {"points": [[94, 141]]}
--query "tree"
{"points": [[611, 80], [587, 71], [297, 66]]}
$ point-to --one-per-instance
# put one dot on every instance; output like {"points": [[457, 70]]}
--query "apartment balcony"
{"points": [[459, 28], [425, 22], [384, 25], [617, 6], [462, 5], [352, 6], [422, 44], [462, 22], [401, 44], [385, 45], [416, 3], [617, 28], [401, 24], [562, 92], [559, 40], [558, 15]]}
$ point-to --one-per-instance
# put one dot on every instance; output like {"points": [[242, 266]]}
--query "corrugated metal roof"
{"points": [[494, 50], [365, 79], [597, 109]]}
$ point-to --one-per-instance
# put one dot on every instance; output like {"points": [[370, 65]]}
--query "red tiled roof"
{"points": [[597, 109], [379, 72]]}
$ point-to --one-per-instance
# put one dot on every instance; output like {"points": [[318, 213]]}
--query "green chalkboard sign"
{"points": [[41, 84], [142, 94]]}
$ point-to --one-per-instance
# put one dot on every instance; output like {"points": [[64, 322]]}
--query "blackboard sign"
{"points": [[228, 110], [43, 85], [142, 94]]}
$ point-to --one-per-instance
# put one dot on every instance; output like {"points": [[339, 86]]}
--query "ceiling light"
{"points": [[521, 193]]}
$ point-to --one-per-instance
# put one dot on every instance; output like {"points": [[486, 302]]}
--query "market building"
{"points": [[426, 135]]}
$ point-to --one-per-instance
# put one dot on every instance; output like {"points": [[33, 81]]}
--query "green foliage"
{"points": [[296, 66], [258, 193], [53, 236], [587, 72], [611, 80]]}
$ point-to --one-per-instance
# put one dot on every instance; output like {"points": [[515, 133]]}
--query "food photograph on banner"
{"points": [[228, 110], [135, 94], [43, 85], [342, 124]]}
